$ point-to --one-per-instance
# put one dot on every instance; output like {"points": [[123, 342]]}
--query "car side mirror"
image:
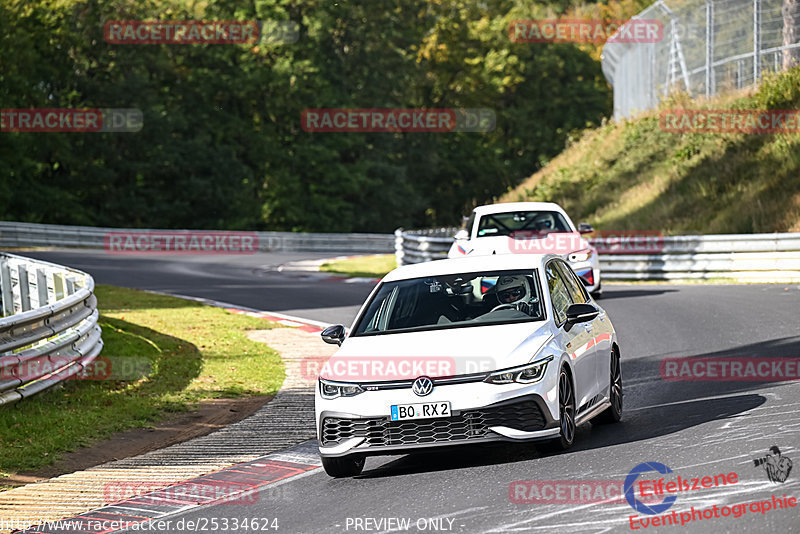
{"points": [[580, 313], [585, 228], [461, 234], [333, 335]]}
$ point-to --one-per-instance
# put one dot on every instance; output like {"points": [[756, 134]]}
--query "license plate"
{"points": [[424, 410]]}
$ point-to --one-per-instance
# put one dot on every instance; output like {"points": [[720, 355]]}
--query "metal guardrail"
{"points": [[48, 325], [16, 234], [748, 257], [417, 246]]}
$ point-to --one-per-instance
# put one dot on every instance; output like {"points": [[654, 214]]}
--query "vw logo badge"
{"points": [[422, 386]]}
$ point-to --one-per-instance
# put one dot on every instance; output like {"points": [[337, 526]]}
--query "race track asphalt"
{"points": [[696, 428]]}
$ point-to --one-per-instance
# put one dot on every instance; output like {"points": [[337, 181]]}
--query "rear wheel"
{"points": [[613, 413], [566, 410], [347, 466]]}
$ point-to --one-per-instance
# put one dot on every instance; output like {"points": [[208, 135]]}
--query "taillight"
{"points": [[587, 276]]}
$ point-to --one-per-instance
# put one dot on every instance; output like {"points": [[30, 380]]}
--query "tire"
{"points": [[566, 413], [613, 413], [347, 466], [598, 293]]}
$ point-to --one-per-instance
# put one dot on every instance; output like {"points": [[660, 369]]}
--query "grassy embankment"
{"points": [[631, 175], [196, 353]]}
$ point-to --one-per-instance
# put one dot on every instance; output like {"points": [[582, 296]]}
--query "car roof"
{"points": [[518, 206], [496, 262]]}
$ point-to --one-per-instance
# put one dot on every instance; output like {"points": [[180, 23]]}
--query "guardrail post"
{"points": [[6, 296], [24, 288], [70, 285], [51, 287], [16, 287], [398, 246], [58, 285], [41, 289]]}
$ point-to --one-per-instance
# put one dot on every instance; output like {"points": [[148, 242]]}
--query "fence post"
{"points": [[739, 74], [756, 41], [710, 82]]}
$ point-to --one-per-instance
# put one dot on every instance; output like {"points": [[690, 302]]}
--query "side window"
{"points": [[576, 292], [558, 292]]}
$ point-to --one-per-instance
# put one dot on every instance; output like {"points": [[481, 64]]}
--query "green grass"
{"points": [[196, 352], [629, 175], [364, 266]]}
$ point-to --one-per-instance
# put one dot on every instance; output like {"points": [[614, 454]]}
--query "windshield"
{"points": [[453, 300], [503, 224]]}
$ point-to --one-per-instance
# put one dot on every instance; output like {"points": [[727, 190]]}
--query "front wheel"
{"points": [[347, 466], [566, 410], [613, 413]]}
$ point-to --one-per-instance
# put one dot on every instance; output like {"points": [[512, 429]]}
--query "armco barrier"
{"points": [[15, 234], [417, 246], [748, 257], [48, 323]]}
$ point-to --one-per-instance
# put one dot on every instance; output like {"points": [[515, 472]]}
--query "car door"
{"points": [[599, 342], [574, 342]]}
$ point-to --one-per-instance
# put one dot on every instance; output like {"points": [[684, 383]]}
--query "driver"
{"points": [[515, 291]]}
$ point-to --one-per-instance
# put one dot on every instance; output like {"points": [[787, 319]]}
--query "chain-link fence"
{"points": [[707, 48]]}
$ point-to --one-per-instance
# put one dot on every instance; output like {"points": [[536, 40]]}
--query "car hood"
{"points": [[488, 245], [443, 352]]}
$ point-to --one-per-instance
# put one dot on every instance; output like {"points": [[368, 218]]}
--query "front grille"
{"points": [[470, 424]]}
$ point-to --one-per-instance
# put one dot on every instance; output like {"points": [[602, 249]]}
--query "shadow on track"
{"points": [[611, 293], [671, 407], [670, 419]]}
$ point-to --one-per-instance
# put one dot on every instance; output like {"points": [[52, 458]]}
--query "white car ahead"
{"points": [[526, 228], [466, 351]]}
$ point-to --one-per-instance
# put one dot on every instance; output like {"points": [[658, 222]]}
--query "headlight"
{"points": [[525, 374], [581, 255], [332, 390]]}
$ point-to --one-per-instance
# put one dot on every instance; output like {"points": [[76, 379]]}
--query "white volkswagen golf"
{"points": [[465, 351]]}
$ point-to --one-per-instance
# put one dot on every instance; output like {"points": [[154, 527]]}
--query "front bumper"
{"points": [[520, 418]]}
